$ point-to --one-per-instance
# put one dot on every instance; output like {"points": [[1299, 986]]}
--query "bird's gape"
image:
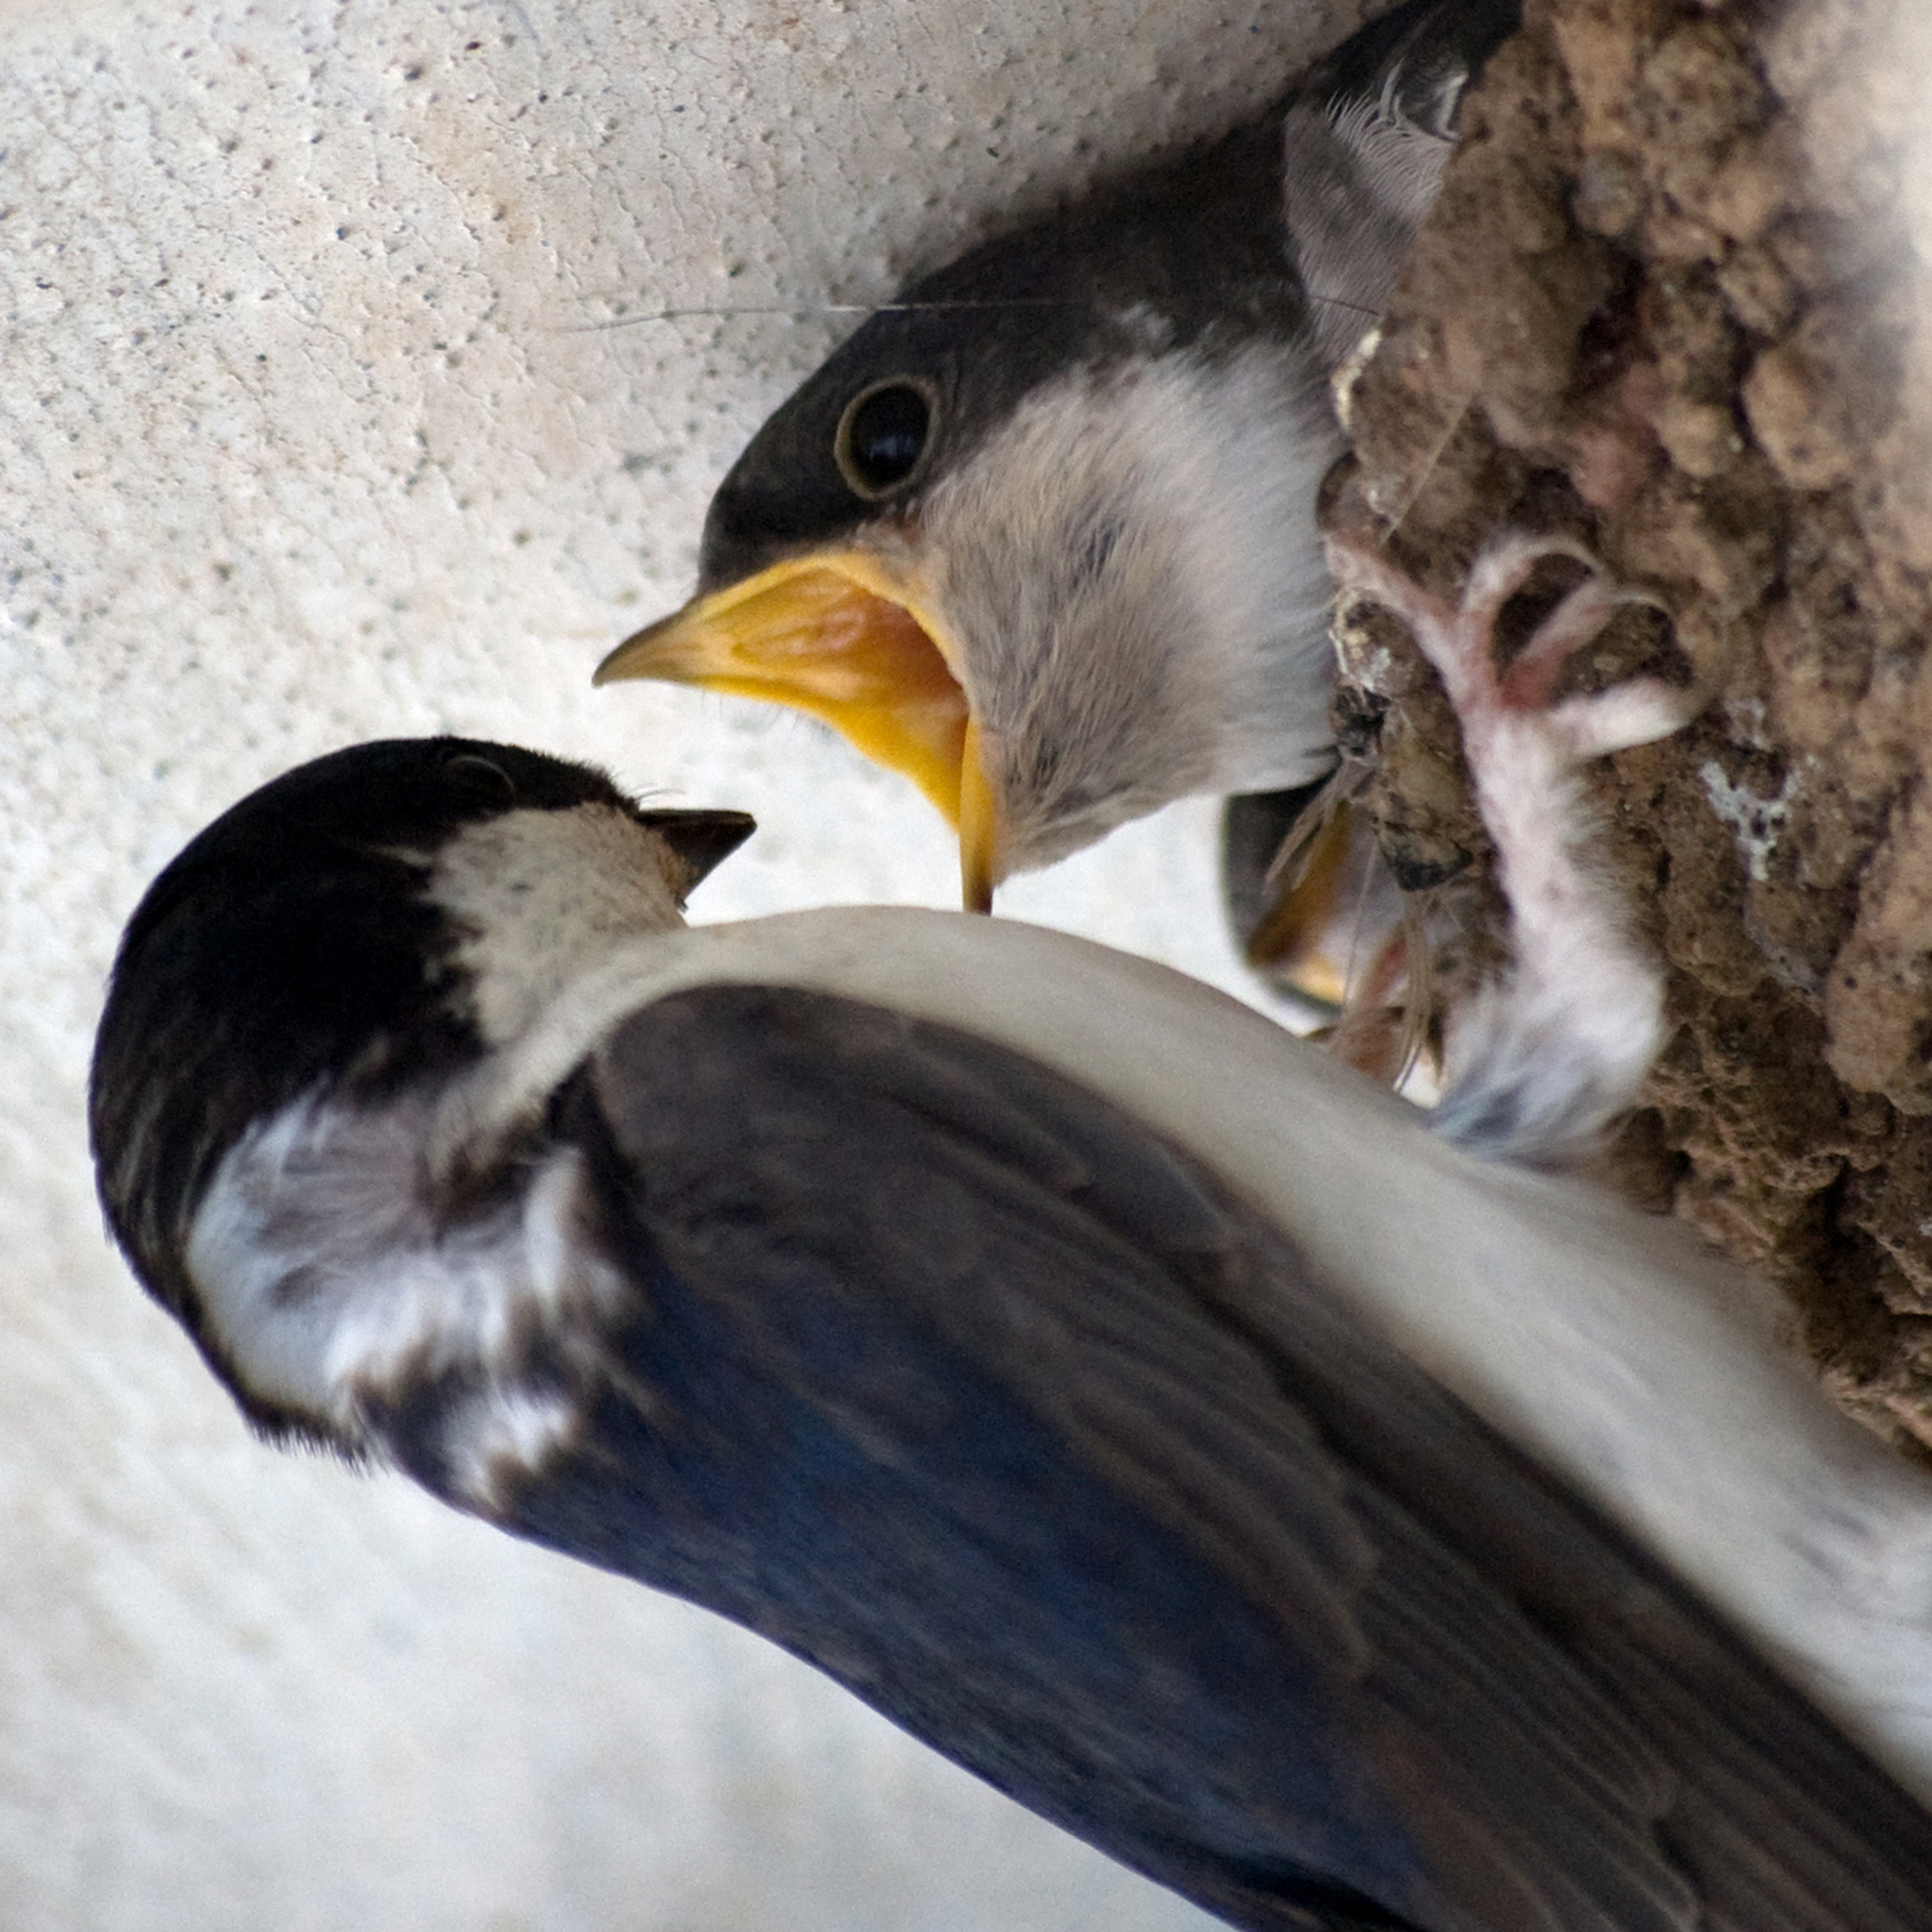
{"points": [[855, 639]]}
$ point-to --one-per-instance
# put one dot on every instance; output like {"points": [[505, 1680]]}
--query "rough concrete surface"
{"points": [[1674, 305], [339, 398]]}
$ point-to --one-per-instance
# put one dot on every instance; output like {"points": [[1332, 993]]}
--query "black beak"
{"points": [[703, 840]]}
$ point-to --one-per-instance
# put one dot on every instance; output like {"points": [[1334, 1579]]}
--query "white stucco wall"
{"points": [[331, 405]]}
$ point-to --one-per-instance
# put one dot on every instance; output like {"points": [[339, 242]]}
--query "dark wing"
{"points": [[1417, 60], [957, 1382]]}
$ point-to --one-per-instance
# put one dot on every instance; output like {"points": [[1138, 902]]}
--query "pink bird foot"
{"points": [[1538, 1063]]}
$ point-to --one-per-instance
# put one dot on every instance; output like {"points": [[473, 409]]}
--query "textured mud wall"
{"points": [[1674, 305]]}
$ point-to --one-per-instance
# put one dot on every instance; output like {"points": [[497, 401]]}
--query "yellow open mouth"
{"points": [[837, 634]]}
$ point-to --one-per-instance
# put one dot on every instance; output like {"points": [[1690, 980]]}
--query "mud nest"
{"points": [[1669, 306]]}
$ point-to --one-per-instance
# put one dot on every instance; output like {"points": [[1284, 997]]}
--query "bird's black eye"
{"points": [[884, 434], [481, 778]]}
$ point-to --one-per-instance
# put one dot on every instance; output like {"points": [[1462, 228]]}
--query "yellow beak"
{"points": [[838, 635]]}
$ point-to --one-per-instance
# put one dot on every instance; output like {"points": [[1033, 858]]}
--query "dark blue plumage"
{"points": [[958, 1380]]}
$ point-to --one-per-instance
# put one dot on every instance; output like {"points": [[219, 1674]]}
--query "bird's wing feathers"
{"points": [[1458, 1689], [1364, 141]]}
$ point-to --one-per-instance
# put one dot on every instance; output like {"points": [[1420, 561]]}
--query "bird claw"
{"points": [[1459, 640], [1639, 712], [1540, 1064]]}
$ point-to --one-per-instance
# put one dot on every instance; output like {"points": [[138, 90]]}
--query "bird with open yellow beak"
{"points": [[1040, 535]]}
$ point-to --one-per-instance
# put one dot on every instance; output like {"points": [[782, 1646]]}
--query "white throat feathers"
{"points": [[542, 897], [1168, 637]]}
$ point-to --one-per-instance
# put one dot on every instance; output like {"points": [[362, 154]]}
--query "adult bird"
{"points": [[1117, 1394], [1041, 534]]}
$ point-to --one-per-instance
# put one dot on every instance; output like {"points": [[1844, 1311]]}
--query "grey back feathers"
{"points": [[1563, 1726]]}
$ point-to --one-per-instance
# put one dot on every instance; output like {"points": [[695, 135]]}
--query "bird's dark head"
{"points": [[378, 920], [1020, 537], [1186, 257]]}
